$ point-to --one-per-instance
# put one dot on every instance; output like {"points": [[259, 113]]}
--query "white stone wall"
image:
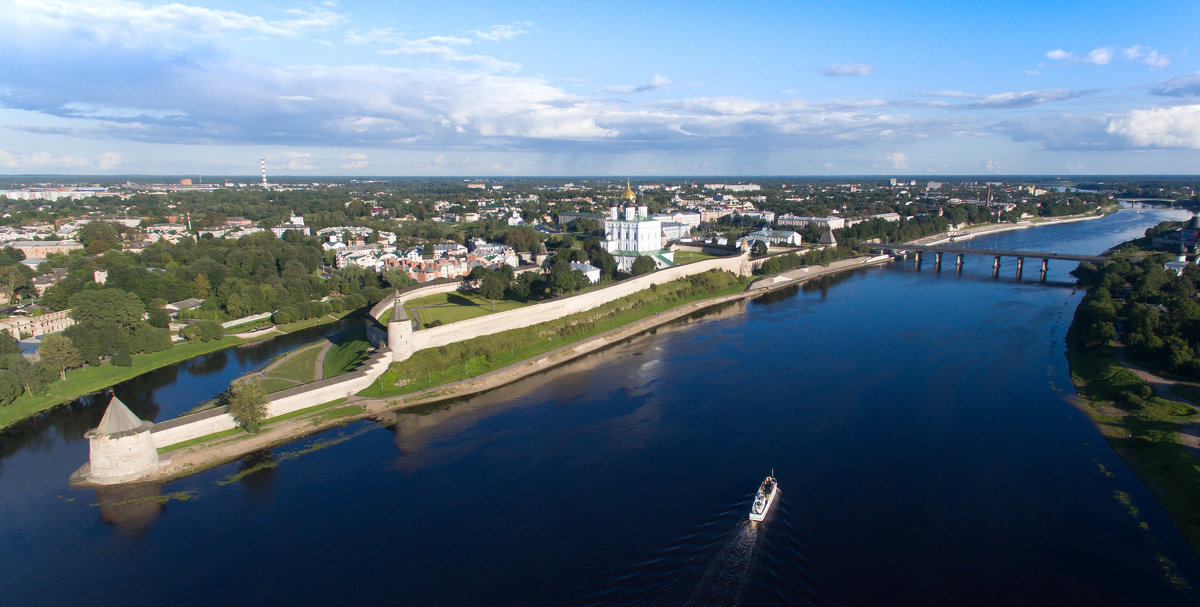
{"points": [[557, 308], [283, 402], [196, 429], [386, 303], [115, 460]]}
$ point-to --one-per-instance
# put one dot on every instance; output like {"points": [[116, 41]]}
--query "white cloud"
{"points": [[847, 69], [1104, 55], [354, 161], [1150, 57], [499, 33], [133, 24], [656, 83], [899, 160], [447, 49], [1187, 85], [1175, 127], [45, 161], [108, 160], [293, 161]]}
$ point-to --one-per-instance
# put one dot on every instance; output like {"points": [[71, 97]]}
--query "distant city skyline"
{"points": [[551, 89]]}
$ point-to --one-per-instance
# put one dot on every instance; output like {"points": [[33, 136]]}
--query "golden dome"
{"points": [[629, 195]]}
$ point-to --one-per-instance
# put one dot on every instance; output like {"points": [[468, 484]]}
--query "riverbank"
{"points": [[974, 231], [1144, 430], [208, 452], [87, 380]]}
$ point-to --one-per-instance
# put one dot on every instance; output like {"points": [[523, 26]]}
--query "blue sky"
{"points": [[205, 87]]}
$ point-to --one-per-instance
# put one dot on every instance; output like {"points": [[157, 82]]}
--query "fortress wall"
{"points": [[557, 308], [414, 293], [204, 423], [315, 393], [191, 426]]}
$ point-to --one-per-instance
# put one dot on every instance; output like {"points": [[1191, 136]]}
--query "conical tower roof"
{"points": [[118, 419], [1194, 223], [827, 237], [398, 314]]}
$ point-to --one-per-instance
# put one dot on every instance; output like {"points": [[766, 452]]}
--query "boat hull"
{"points": [[758, 517]]}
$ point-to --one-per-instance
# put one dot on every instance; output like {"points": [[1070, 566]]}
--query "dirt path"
{"points": [[319, 365], [1189, 432]]}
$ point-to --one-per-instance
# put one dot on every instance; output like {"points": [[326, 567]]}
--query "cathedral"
{"points": [[630, 233]]}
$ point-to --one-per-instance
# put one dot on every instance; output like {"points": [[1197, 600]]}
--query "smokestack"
{"points": [[263, 163]]}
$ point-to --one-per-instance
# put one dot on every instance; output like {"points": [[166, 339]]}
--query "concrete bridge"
{"points": [[938, 250]]}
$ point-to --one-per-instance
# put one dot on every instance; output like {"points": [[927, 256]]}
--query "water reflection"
{"points": [[416, 429], [166, 392], [257, 472], [208, 364], [131, 508]]}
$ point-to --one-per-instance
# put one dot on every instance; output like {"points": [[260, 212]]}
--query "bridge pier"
{"points": [[917, 257], [937, 261], [959, 262], [1045, 263], [1020, 264]]}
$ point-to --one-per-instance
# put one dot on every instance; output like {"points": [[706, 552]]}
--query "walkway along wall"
{"points": [[557, 308], [196, 425]]}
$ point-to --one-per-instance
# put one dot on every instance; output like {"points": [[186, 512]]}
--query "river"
{"points": [[919, 423]]}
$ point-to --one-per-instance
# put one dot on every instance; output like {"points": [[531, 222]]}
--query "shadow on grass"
{"points": [[459, 300]]}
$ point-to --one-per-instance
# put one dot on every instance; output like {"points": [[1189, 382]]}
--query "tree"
{"points": [[247, 403], [491, 289], [58, 353], [29, 375], [105, 306], [642, 265], [158, 317], [10, 387], [8, 345], [12, 277], [759, 249]]}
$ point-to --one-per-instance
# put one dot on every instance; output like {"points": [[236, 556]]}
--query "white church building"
{"points": [[631, 233]]}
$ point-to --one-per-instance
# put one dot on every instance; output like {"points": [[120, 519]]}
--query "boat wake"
{"points": [[725, 579]]}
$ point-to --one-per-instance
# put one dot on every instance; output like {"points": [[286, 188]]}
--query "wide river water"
{"points": [[920, 424]]}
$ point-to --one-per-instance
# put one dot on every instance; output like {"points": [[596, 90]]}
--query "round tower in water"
{"points": [[121, 448]]}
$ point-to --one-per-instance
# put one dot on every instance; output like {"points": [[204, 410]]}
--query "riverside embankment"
{"points": [[200, 454], [203, 455], [944, 396]]}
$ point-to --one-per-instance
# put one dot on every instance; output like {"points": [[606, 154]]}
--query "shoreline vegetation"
{"points": [[471, 367], [1133, 303], [87, 380]]}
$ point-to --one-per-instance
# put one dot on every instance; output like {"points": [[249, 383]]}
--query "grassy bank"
{"points": [[447, 364], [91, 379], [1122, 405]]}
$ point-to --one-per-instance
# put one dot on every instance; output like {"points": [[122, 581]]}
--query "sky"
{"points": [[396, 88]]}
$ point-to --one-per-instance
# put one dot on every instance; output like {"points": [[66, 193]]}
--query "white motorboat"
{"points": [[764, 498]]}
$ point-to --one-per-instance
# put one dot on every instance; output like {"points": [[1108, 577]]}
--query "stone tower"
{"points": [[120, 447], [399, 332]]}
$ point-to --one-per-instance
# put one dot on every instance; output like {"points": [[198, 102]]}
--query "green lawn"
{"points": [[453, 307], [682, 257], [438, 366], [347, 353], [335, 414], [299, 367], [1121, 404], [90, 379]]}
